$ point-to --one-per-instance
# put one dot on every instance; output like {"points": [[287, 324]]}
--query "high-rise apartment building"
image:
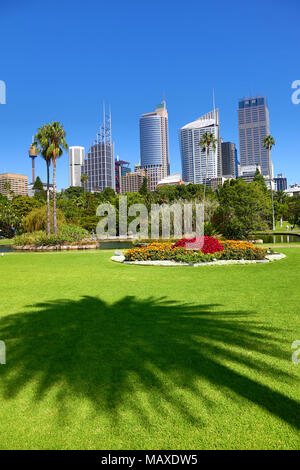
{"points": [[99, 165], [76, 159], [254, 126], [13, 182], [193, 159], [154, 144], [229, 160], [132, 182]]}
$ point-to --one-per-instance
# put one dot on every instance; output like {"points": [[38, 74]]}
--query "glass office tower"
{"points": [[154, 144]]}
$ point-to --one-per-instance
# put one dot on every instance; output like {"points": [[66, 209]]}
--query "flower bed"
{"points": [[210, 251]]}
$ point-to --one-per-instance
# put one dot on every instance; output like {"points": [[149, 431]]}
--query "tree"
{"points": [[144, 188], [207, 140], [108, 193], [84, 179], [7, 187], [57, 144], [9, 221], [258, 178], [37, 219], [38, 185], [244, 208], [22, 205], [268, 144], [41, 142], [72, 191]]}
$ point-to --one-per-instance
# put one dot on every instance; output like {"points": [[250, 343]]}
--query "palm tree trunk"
{"points": [[273, 211], [54, 195], [272, 196], [48, 201], [206, 174]]}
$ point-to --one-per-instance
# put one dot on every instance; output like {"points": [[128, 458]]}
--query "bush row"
{"points": [[66, 234]]}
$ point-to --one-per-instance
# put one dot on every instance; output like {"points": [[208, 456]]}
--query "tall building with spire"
{"points": [[154, 144], [193, 159], [99, 165], [254, 126]]}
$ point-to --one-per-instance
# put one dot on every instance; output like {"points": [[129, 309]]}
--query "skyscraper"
{"points": [[229, 160], [193, 159], [99, 165], [76, 159], [121, 169], [154, 144], [254, 126]]}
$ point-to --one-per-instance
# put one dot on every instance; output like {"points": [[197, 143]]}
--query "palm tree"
{"points": [[57, 144], [207, 140], [268, 144], [84, 179], [42, 145]]}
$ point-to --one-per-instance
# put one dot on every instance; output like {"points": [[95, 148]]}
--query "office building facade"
{"points": [[193, 159], [254, 126], [154, 144], [76, 160]]}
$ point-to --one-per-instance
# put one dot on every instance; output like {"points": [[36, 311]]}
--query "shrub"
{"points": [[66, 234], [72, 233]]}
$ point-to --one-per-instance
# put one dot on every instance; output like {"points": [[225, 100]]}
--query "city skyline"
{"points": [[167, 163], [136, 71]]}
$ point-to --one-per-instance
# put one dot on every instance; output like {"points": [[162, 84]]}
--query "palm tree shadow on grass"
{"points": [[103, 352]]}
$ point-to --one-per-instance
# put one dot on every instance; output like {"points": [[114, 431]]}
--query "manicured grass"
{"points": [[282, 229], [6, 241], [109, 356]]}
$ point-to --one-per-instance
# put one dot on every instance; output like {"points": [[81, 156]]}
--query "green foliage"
{"points": [[258, 178], [294, 211], [108, 193], [144, 188], [66, 234], [22, 205], [36, 220], [38, 185], [244, 208], [71, 232], [73, 191], [9, 220]]}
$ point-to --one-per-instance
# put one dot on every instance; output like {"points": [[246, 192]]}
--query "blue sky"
{"points": [[61, 59]]}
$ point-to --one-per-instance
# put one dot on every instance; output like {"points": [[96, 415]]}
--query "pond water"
{"points": [[5, 248], [279, 238]]}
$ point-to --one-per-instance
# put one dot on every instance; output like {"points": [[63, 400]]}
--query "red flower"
{"points": [[205, 244]]}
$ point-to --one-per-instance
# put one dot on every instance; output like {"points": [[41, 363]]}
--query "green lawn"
{"points": [[109, 356], [282, 229], [6, 241]]}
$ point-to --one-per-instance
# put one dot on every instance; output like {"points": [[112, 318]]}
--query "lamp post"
{"points": [[33, 154]]}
